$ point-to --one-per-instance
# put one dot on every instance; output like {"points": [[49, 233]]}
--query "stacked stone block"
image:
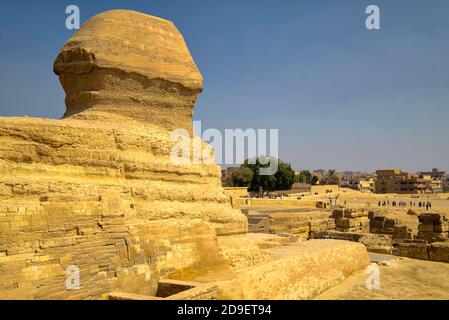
{"points": [[289, 223], [415, 249], [439, 251], [433, 227], [322, 225], [402, 232], [351, 219], [380, 224], [39, 241], [420, 249]]}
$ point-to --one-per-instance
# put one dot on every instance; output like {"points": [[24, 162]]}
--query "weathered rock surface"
{"points": [[297, 272], [128, 64]]}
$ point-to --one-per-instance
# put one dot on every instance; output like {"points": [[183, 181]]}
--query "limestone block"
{"points": [[402, 232], [352, 222], [439, 251], [338, 213], [426, 227], [377, 243], [308, 269], [355, 213], [430, 218], [411, 250], [441, 228], [322, 225], [432, 236]]}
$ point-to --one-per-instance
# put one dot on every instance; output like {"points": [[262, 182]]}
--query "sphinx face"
{"points": [[129, 65]]}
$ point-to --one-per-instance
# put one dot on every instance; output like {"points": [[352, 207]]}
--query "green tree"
{"points": [[331, 178], [304, 177], [281, 180], [284, 176], [446, 186], [242, 177], [314, 180]]}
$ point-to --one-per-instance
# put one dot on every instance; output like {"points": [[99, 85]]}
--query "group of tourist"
{"points": [[266, 196], [421, 204]]}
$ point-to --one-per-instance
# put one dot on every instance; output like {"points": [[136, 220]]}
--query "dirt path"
{"points": [[400, 279]]}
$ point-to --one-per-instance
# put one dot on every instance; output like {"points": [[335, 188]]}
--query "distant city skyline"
{"points": [[343, 97], [224, 167]]}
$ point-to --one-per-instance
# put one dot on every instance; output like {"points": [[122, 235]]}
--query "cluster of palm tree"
{"points": [[330, 178]]}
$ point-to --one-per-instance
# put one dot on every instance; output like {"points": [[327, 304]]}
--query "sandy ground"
{"points": [[400, 279], [440, 203]]}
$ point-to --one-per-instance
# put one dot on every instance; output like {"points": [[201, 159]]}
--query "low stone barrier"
{"points": [[420, 249], [351, 219], [433, 227]]}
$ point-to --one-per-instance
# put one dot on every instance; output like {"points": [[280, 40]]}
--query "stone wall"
{"points": [[433, 227], [298, 272], [380, 224], [373, 242], [351, 219], [274, 203], [301, 224], [419, 249]]}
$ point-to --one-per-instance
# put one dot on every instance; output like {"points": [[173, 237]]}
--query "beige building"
{"points": [[436, 180], [366, 185], [397, 181], [436, 185]]}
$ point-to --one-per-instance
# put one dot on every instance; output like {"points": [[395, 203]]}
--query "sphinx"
{"points": [[97, 189]]}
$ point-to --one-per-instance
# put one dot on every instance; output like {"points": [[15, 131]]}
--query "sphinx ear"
{"points": [[77, 61]]}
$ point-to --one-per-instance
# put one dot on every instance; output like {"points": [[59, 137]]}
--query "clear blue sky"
{"points": [[342, 97]]}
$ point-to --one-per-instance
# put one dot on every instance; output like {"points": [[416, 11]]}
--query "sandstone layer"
{"points": [[297, 272]]}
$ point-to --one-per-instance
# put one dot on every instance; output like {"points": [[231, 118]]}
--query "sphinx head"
{"points": [[124, 64]]}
